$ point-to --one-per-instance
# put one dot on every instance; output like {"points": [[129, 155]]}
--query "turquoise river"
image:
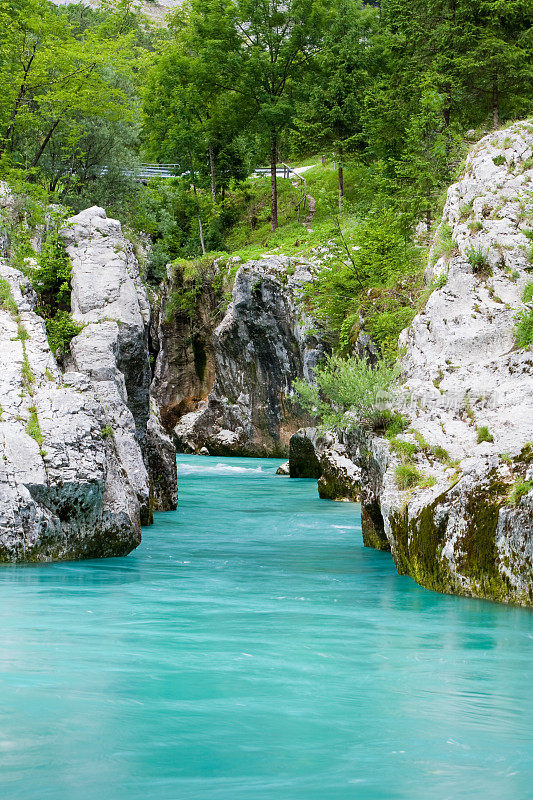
{"points": [[253, 649]]}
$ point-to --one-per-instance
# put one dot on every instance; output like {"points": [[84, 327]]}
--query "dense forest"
{"points": [[378, 99]]}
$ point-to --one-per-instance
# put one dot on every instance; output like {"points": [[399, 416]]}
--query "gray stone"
{"points": [[240, 403]]}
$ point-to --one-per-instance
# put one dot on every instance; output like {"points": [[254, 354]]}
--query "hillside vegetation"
{"points": [[390, 96]]}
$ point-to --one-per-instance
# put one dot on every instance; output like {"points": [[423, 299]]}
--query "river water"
{"points": [[252, 649]]}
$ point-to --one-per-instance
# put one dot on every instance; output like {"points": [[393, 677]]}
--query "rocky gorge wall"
{"points": [[452, 496], [226, 387], [85, 461]]}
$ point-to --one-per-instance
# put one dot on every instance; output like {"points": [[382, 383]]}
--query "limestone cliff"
{"points": [[73, 477], [460, 518], [236, 402]]}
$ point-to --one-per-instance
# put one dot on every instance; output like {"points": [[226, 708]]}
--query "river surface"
{"points": [[252, 649]]}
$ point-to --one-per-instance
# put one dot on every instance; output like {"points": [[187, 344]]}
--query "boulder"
{"points": [[465, 524], [239, 403]]}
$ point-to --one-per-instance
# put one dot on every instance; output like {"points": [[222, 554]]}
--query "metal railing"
{"points": [[145, 171]]}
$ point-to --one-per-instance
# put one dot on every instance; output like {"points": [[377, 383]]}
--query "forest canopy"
{"points": [[389, 88]]}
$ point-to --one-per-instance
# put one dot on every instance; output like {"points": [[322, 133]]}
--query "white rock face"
{"points": [[463, 372], [73, 480], [112, 350], [57, 496]]}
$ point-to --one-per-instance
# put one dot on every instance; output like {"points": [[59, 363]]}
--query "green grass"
{"points": [[7, 302], [520, 489], [478, 258], [33, 428], [484, 435], [523, 331]]}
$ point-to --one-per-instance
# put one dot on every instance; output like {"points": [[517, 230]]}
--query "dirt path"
{"points": [[308, 221]]}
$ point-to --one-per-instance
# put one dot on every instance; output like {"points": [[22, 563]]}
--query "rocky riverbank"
{"points": [[84, 462], [452, 496]]}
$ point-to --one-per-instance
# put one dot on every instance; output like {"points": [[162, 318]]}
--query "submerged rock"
{"points": [[330, 459]]}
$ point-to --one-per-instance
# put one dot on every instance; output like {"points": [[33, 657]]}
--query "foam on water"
{"points": [[218, 468], [252, 649]]}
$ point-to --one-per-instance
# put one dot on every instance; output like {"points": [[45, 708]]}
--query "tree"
{"points": [[261, 51], [54, 77], [334, 107]]}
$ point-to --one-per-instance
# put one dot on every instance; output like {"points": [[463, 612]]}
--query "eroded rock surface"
{"points": [[331, 459], [73, 480], [62, 490], [462, 522], [472, 393], [263, 343]]}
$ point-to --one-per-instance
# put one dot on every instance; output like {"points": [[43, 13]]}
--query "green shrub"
{"points": [[484, 435], [33, 428], [7, 302], [51, 279], [499, 160], [478, 259], [520, 489], [348, 391], [61, 329], [441, 279], [523, 332], [407, 476]]}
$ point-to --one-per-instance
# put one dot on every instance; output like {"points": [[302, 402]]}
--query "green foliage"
{"points": [[405, 450], [191, 279], [7, 302], [107, 431], [520, 489], [60, 330], [478, 259], [499, 160], [68, 103], [440, 453], [441, 280], [51, 279], [348, 391], [407, 476], [391, 423], [484, 435], [523, 331], [379, 282], [33, 427]]}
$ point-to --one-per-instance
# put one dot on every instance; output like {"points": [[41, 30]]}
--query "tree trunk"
{"points": [[495, 103], [273, 179], [20, 98], [341, 181], [201, 234], [200, 228], [42, 148], [213, 179]]}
